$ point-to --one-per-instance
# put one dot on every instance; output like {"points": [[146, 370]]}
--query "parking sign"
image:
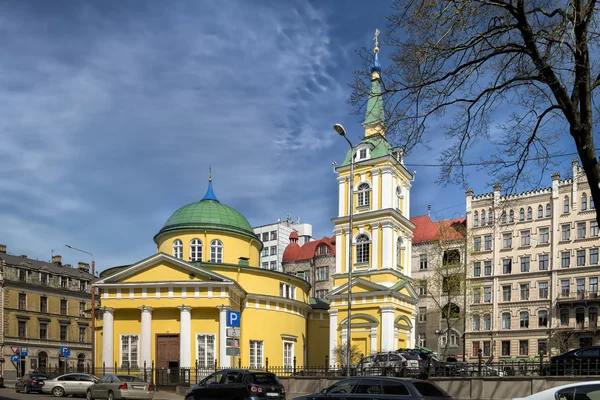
{"points": [[233, 319]]}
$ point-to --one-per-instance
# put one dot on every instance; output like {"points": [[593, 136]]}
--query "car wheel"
{"points": [[26, 389], [111, 395], [88, 395], [58, 391]]}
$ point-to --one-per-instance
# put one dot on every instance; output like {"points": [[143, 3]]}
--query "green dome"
{"points": [[207, 213]]}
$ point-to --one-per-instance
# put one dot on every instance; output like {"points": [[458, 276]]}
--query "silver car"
{"points": [[64, 385], [114, 387]]}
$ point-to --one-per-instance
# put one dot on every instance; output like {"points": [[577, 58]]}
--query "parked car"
{"points": [[582, 361], [32, 382], [237, 384], [64, 385], [114, 387], [373, 387], [573, 391], [395, 364], [365, 366]]}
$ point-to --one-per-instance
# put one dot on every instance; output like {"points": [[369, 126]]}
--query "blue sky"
{"points": [[112, 113]]}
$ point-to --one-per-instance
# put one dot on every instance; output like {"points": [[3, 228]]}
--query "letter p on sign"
{"points": [[233, 319]]}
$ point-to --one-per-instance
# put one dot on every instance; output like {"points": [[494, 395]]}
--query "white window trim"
{"points": [[120, 362], [177, 244], [291, 364], [215, 350], [260, 363], [357, 153], [216, 244]]}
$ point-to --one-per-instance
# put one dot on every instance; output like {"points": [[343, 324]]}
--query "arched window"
{"points": [[540, 211], [476, 219], [529, 213], [449, 338], [542, 319], [363, 195], [522, 214], [548, 210], [216, 251], [592, 202], [362, 249], [196, 250], [583, 202], [482, 217], [566, 205], [399, 196], [81, 363], [511, 216], [524, 319], [399, 245], [42, 361], [503, 217], [490, 217], [178, 249], [505, 320]]}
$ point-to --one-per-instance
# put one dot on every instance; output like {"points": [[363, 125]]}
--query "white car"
{"points": [[574, 391], [64, 385]]}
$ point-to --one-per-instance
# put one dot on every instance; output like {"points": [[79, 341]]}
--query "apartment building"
{"points": [[440, 310], [533, 270], [275, 240], [45, 305]]}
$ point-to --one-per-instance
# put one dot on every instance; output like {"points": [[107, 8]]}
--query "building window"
{"points": [[129, 351], [323, 250], [524, 291], [583, 202], [543, 262], [490, 217], [363, 195], [206, 350], [288, 354], [565, 259], [422, 316], [43, 304], [581, 230], [43, 330], [22, 301], [507, 265], [287, 291], [525, 264], [399, 247], [63, 282], [63, 333], [482, 217], [422, 340], [548, 210], [487, 348], [256, 354], [362, 249], [362, 154], [22, 275], [63, 307], [506, 293], [522, 214], [487, 294], [22, 329], [593, 228], [82, 334], [506, 348], [82, 308], [178, 249], [566, 205], [477, 269], [544, 235], [488, 242], [503, 217], [511, 216], [487, 268], [507, 240], [321, 293], [273, 235], [593, 315], [525, 238], [523, 347], [529, 213], [265, 265], [565, 288], [505, 320], [580, 258], [307, 276], [273, 250], [543, 290], [43, 278], [524, 319], [83, 285], [476, 323], [322, 273], [475, 348], [196, 250], [593, 286], [216, 251], [564, 317], [540, 211], [423, 288], [593, 256], [477, 296], [423, 261], [487, 322], [476, 219], [580, 286], [477, 244], [565, 232]]}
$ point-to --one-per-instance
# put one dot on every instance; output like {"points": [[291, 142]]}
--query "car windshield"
{"points": [[429, 390], [40, 377], [265, 379], [129, 378], [381, 357], [409, 356]]}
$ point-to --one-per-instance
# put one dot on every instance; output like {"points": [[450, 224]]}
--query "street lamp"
{"points": [[93, 306], [342, 132]]}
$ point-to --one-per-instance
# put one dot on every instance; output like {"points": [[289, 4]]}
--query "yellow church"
{"points": [[171, 309]]}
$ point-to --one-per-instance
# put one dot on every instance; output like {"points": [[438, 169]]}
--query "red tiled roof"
{"points": [[426, 230], [308, 250]]}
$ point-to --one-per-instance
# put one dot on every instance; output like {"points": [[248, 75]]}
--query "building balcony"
{"points": [[578, 297]]}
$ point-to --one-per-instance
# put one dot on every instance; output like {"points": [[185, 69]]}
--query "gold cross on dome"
{"points": [[377, 32]]}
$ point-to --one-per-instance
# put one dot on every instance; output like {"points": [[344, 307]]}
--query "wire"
{"points": [[487, 162]]}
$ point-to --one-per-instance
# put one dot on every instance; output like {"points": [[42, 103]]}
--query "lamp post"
{"points": [[93, 322], [342, 132]]}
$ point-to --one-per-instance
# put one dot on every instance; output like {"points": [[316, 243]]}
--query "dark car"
{"points": [[238, 384], [32, 382], [582, 361], [374, 387]]}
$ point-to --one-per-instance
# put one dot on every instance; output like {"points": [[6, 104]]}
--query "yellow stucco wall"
{"points": [[318, 338]]}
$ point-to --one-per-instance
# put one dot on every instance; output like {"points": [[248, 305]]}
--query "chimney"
{"points": [[57, 260], [84, 267], [429, 210], [3, 248]]}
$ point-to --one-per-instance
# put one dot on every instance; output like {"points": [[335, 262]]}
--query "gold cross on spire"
{"points": [[376, 39], [210, 173]]}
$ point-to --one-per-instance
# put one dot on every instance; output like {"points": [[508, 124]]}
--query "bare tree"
{"points": [[340, 353], [560, 341], [477, 60]]}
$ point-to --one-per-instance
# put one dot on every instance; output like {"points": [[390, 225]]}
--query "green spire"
{"points": [[375, 116]]}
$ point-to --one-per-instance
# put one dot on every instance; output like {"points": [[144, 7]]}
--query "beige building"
{"points": [[533, 271]]}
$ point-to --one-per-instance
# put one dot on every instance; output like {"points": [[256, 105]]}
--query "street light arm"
{"points": [[83, 251]]}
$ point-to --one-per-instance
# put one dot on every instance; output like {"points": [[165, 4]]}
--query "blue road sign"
{"points": [[24, 351], [233, 319], [65, 351], [15, 358]]}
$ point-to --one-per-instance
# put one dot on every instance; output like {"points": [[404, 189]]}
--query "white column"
{"points": [[408, 267], [108, 338], [386, 188], [395, 262], [346, 252], [413, 334], [185, 337], [406, 210], [224, 360], [373, 336], [341, 196], [375, 246], [387, 246], [333, 325], [338, 250], [396, 334], [146, 337], [387, 328], [375, 191]]}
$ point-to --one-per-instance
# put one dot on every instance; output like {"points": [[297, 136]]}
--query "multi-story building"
{"points": [[45, 305], [313, 261], [275, 239], [533, 270], [438, 253]]}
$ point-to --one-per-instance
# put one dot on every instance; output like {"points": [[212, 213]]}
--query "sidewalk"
{"points": [[162, 395]]}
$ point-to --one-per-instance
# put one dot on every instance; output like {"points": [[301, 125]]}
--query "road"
{"points": [[10, 394]]}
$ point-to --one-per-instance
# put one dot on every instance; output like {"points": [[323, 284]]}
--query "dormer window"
{"points": [[362, 154], [323, 249], [363, 194]]}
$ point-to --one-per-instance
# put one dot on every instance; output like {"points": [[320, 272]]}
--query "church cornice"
{"points": [[381, 216]]}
